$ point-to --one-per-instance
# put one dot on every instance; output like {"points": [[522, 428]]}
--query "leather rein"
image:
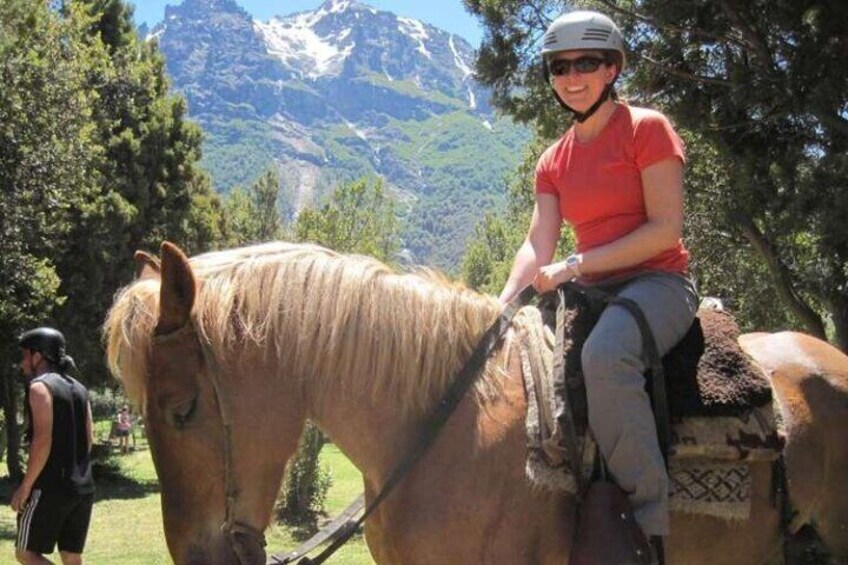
{"points": [[430, 428], [243, 537]]}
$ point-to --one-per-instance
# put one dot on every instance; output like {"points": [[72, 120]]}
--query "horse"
{"points": [[228, 353]]}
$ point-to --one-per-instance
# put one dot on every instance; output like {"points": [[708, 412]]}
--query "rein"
{"points": [[430, 429], [243, 538]]}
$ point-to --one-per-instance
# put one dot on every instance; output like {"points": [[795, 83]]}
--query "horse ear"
{"points": [[176, 296], [146, 265]]}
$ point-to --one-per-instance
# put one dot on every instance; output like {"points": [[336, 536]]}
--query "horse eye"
{"points": [[184, 412]]}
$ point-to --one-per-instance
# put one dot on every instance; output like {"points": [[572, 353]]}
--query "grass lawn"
{"points": [[126, 525]]}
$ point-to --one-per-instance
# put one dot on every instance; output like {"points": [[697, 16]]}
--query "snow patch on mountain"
{"points": [[457, 59], [415, 30], [472, 100], [157, 34], [295, 42]]}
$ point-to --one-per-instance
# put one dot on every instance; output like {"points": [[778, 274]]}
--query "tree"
{"points": [[147, 186], [358, 218], [96, 159], [47, 149], [764, 84], [253, 215]]}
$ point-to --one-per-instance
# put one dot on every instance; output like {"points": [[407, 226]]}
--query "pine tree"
{"points": [[148, 186]]}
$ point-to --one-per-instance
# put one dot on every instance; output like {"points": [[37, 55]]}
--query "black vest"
{"points": [[68, 468]]}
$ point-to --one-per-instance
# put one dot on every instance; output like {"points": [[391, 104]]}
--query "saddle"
{"points": [[720, 407], [708, 373]]}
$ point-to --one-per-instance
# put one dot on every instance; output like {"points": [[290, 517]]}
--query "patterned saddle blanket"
{"points": [[721, 407]]}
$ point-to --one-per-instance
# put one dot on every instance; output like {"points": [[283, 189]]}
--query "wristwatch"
{"points": [[573, 262]]}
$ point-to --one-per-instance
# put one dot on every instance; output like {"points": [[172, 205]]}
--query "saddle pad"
{"points": [[708, 374], [713, 488], [708, 464]]}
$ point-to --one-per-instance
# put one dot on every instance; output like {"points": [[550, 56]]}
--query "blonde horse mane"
{"points": [[342, 321]]}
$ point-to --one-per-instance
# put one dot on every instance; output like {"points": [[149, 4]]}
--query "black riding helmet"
{"points": [[47, 341]]}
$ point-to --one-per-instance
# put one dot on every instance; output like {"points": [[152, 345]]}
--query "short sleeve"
{"points": [[655, 140], [545, 173]]}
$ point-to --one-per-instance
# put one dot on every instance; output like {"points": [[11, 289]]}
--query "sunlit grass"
{"points": [[126, 525]]}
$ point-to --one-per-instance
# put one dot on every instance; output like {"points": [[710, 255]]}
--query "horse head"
{"points": [[209, 418]]}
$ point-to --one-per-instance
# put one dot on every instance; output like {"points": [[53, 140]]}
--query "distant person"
{"points": [[55, 499], [124, 428]]}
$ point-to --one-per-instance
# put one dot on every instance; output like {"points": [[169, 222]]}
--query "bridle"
{"points": [[247, 542]]}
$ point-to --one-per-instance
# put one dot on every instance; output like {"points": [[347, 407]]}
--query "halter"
{"points": [[243, 538]]}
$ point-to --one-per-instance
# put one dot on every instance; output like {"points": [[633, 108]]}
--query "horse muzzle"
{"points": [[247, 543], [238, 544]]}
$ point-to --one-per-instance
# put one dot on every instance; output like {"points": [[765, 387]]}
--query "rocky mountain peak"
{"points": [[332, 6], [338, 93], [196, 8]]}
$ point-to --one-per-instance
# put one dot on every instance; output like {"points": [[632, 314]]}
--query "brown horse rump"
{"points": [[721, 419]]}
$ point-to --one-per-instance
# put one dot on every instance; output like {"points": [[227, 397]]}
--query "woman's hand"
{"points": [[551, 276]]}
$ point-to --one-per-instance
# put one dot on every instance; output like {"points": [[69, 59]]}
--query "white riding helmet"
{"points": [[583, 30]]}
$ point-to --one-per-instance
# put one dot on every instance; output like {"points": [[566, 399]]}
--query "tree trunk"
{"points": [[839, 311], [782, 279], [13, 431]]}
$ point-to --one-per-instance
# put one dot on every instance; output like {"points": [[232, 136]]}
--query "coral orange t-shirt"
{"points": [[599, 184]]}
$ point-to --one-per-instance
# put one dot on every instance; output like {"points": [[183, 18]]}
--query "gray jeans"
{"points": [[620, 413]]}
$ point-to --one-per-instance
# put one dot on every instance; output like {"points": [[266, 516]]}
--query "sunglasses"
{"points": [[583, 65]]}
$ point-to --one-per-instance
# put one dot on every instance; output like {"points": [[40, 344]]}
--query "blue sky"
{"points": [[449, 15]]}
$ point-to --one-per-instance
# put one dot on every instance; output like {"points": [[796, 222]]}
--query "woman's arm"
{"points": [[538, 248]]}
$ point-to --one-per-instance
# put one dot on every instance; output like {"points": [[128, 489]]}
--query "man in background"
{"points": [[55, 499]]}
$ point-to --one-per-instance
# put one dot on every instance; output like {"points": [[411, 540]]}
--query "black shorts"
{"points": [[51, 518]]}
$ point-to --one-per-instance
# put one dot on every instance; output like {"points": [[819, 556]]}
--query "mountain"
{"points": [[338, 93]]}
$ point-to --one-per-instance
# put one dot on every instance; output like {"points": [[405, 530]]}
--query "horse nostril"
{"points": [[250, 550], [195, 555]]}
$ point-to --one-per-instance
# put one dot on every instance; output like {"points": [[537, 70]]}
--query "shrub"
{"points": [[105, 403], [306, 484]]}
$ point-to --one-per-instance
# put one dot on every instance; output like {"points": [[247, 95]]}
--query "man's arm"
{"points": [[41, 408]]}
